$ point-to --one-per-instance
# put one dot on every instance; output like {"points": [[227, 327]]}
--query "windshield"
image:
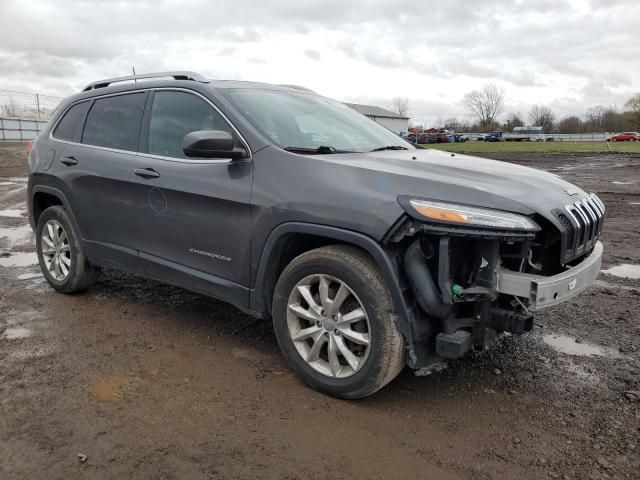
{"points": [[311, 123]]}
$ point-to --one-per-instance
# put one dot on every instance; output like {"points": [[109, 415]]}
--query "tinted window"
{"points": [[70, 124], [114, 122], [173, 115]]}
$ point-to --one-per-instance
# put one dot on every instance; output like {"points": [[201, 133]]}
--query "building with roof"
{"points": [[388, 119]]}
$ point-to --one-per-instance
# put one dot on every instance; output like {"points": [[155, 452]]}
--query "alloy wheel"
{"points": [[328, 326], [56, 251]]}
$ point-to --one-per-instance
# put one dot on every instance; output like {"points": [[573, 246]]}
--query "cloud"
{"points": [[569, 54], [313, 54]]}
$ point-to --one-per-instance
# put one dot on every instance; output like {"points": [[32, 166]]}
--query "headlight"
{"points": [[465, 215]]}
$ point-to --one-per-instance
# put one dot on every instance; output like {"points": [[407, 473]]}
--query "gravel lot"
{"points": [[137, 379]]}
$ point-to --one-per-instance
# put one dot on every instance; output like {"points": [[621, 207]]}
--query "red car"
{"points": [[622, 137]]}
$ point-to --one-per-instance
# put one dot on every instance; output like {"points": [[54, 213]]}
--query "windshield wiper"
{"points": [[390, 147], [321, 150]]}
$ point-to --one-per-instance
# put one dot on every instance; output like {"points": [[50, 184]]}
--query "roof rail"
{"points": [[296, 87], [196, 77]]}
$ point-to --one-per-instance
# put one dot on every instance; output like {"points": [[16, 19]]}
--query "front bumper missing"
{"points": [[545, 292]]}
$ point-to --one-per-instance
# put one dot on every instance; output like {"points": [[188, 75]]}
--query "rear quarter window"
{"points": [[70, 126], [114, 122]]}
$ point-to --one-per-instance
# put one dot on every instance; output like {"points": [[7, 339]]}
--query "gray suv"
{"points": [[368, 253]]}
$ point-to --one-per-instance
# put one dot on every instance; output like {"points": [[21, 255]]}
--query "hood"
{"points": [[465, 179]]}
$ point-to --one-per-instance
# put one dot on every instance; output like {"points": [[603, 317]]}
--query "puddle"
{"points": [[14, 179], [19, 318], [19, 260], [625, 270], [29, 276], [17, 235], [108, 388], [16, 333], [603, 284], [7, 183], [569, 346], [634, 203], [623, 183], [12, 212]]}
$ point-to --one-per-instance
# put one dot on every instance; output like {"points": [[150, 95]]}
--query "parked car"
{"points": [[624, 137], [366, 253], [424, 138], [458, 137], [411, 137], [441, 138], [494, 136]]}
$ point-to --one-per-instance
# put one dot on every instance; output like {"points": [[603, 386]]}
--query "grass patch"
{"points": [[537, 147]]}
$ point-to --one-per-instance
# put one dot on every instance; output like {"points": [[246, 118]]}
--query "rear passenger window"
{"points": [[69, 127], [114, 122], [173, 115]]}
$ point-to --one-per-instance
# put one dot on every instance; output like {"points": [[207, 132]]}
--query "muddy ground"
{"points": [[141, 380]]}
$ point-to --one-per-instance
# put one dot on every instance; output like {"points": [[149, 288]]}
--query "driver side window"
{"points": [[174, 115]]}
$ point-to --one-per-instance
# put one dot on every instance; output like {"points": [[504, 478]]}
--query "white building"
{"points": [[388, 119]]}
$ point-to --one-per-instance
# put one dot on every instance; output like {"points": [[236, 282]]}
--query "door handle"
{"points": [[146, 173], [69, 161]]}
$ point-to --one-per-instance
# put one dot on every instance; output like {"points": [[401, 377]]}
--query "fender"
{"points": [[382, 259], [60, 196]]}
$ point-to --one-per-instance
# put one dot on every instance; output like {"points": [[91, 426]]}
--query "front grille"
{"points": [[582, 224]]}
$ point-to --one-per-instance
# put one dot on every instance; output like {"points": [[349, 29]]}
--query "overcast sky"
{"points": [[568, 54]]}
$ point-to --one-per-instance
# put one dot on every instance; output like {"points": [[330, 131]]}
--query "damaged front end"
{"points": [[470, 273]]}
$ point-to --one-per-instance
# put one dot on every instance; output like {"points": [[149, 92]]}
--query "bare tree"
{"points": [[633, 106], [513, 121], [542, 116], [485, 104], [452, 124], [571, 124], [401, 106], [603, 119]]}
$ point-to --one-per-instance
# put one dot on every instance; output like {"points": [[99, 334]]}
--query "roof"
{"points": [[374, 111]]}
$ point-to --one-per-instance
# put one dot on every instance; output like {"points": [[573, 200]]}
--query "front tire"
{"points": [[60, 254], [335, 324]]}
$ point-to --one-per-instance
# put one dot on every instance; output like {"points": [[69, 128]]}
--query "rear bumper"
{"points": [[545, 292]]}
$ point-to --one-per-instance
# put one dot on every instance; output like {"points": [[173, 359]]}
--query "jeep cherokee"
{"points": [[367, 253]]}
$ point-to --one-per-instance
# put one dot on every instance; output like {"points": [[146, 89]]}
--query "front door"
{"points": [[192, 215]]}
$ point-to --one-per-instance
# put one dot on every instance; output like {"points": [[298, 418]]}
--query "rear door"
{"points": [[192, 215], [97, 172]]}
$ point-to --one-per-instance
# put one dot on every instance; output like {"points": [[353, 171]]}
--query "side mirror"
{"points": [[211, 144]]}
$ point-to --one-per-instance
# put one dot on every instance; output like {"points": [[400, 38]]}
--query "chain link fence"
{"points": [[23, 115], [27, 106]]}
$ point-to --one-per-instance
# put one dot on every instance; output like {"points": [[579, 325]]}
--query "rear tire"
{"points": [[367, 353], [60, 254]]}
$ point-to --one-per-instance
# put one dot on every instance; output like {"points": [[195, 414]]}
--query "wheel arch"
{"points": [[289, 240], [42, 197]]}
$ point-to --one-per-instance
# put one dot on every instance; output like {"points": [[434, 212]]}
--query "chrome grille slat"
{"points": [[590, 216], [596, 209], [585, 225], [587, 219], [595, 201], [599, 202], [594, 230]]}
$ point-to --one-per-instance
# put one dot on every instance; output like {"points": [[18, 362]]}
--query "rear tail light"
{"points": [[29, 146]]}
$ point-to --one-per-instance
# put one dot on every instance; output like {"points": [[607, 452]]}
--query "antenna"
{"points": [[134, 74]]}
